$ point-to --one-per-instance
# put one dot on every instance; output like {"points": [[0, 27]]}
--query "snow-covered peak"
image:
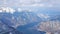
{"points": [[7, 9]]}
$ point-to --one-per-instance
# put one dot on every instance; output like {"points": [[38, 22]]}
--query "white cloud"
{"points": [[19, 9], [11, 10], [0, 10], [41, 5], [25, 2], [50, 5]]}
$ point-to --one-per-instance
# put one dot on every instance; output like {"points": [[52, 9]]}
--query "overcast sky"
{"points": [[40, 3]]}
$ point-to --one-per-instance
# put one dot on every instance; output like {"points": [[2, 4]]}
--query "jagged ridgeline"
{"points": [[9, 22], [6, 29], [17, 21]]}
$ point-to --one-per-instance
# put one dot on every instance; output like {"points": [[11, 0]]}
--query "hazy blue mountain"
{"points": [[26, 20]]}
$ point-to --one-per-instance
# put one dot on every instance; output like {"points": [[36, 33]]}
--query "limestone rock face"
{"points": [[50, 26]]}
